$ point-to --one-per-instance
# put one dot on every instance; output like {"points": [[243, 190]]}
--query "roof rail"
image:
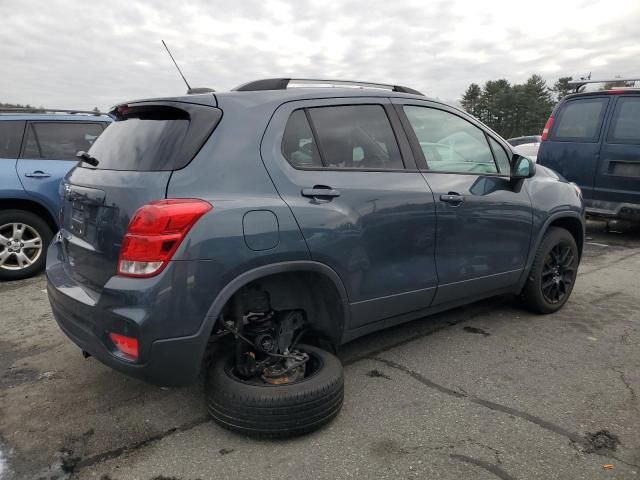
{"points": [[284, 83], [580, 83], [46, 110]]}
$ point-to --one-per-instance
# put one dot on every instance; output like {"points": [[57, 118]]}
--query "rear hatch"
{"points": [[133, 158]]}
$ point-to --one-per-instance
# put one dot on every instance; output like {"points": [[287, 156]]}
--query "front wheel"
{"points": [[553, 272], [24, 238], [256, 408]]}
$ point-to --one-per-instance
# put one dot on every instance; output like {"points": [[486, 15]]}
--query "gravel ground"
{"points": [[487, 391]]}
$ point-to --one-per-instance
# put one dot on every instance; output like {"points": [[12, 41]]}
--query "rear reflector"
{"points": [[547, 129], [154, 234], [126, 345]]}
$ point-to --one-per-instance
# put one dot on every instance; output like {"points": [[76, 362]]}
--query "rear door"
{"points": [[573, 146], [48, 153], [484, 219], [618, 175], [136, 155], [11, 132], [362, 206]]}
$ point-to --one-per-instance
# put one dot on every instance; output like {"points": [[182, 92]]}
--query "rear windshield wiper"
{"points": [[85, 157]]}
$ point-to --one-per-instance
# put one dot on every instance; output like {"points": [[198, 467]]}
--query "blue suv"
{"points": [[593, 139], [36, 152], [248, 234]]}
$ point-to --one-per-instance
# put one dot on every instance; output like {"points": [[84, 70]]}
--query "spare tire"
{"points": [[276, 411]]}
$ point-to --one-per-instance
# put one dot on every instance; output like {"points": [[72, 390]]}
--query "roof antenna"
{"points": [[190, 90]]}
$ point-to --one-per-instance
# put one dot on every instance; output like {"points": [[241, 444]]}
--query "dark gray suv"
{"points": [[250, 233]]}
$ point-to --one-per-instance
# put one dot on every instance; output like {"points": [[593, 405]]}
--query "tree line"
{"points": [[514, 110]]}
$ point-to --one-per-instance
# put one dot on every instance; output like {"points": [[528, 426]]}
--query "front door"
{"points": [[362, 206], [484, 219], [48, 153]]}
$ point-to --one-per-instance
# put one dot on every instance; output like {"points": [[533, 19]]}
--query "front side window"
{"points": [[350, 137], [450, 143], [10, 138], [580, 120], [625, 126], [59, 140]]}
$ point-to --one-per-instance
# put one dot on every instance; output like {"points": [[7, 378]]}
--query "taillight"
{"points": [[126, 345], [546, 129], [155, 232]]}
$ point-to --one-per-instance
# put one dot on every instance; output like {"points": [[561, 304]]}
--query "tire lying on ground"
{"points": [[276, 411]]}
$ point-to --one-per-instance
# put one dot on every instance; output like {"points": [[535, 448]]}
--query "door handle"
{"points": [[37, 174], [320, 192], [452, 198]]}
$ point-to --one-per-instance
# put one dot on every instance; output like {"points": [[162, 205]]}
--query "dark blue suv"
{"points": [[593, 139], [247, 234], [36, 152]]}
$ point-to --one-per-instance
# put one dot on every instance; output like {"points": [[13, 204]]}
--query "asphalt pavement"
{"points": [[481, 392]]}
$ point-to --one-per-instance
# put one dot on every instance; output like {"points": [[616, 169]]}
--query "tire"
{"points": [[12, 266], [276, 411], [538, 295]]}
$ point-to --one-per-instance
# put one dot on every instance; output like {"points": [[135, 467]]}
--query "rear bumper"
{"points": [[613, 210], [86, 319]]}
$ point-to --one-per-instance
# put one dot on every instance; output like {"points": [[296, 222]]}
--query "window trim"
{"points": [[30, 123], [613, 121], [325, 168], [561, 110], [419, 154]]}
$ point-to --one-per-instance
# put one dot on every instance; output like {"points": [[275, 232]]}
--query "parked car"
{"points": [[248, 234], [593, 139], [529, 150], [36, 152], [514, 142]]}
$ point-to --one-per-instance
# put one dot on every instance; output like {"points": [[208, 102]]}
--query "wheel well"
{"points": [[29, 206], [312, 292], [574, 227]]}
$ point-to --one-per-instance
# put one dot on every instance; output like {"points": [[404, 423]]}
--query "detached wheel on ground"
{"points": [[256, 408], [24, 238], [553, 272]]}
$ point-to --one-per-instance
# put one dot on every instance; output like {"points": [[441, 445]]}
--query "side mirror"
{"points": [[522, 167]]}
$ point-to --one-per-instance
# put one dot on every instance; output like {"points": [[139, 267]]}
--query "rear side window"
{"points": [[298, 144], [10, 138], [59, 140], [625, 126], [154, 137], [580, 120], [356, 136]]}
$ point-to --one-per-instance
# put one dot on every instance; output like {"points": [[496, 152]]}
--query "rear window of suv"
{"points": [[580, 120], [154, 137]]}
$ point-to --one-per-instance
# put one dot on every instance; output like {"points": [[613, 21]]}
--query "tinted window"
{"points": [[450, 143], [59, 140], [10, 138], [154, 137], [580, 120], [501, 156], [356, 136], [298, 145], [625, 126]]}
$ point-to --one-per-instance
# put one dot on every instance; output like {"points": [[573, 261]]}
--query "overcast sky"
{"points": [[83, 54]]}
